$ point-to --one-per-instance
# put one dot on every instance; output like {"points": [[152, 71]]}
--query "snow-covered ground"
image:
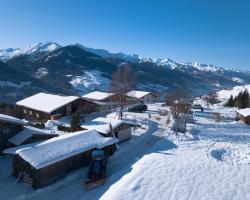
{"points": [[211, 161]]}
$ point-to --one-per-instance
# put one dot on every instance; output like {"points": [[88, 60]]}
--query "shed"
{"points": [[244, 115], [9, 126], [121, 129], [43, 106], [47, 161]]}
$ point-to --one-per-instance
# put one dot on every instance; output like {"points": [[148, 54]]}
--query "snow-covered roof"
{"points": [[98, 96], [15, 150], [10, 119], [62, 147], [102, 103], [102, 125], [28, 132], [137, 94], [46, 102], [244, 112]]}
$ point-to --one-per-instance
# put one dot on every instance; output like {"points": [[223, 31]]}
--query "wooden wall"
{"points": [[245, 119]]}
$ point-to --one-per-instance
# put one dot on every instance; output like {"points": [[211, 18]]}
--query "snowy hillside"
{"points": [[89, 81], [225, 94]]}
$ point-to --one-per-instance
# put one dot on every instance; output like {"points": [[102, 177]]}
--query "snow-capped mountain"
{"points": [[40, 47], [6, 54], [9, 53], [106, 54], [75, 69], [158, 61]]}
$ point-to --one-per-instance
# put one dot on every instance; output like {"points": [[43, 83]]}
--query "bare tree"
{"points": [[211, 98], [180, 103], [123, 80]]}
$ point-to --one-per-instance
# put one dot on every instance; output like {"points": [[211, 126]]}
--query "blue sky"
{"points": [[206, 31]]}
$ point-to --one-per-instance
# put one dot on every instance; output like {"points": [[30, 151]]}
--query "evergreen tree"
{"points": [[245, 97], [239, 100], [230, 102]]}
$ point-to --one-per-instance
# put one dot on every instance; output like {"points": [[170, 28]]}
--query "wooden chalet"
{"points": [[44, 162], [43, 106], [121, 129], [244, 115], [98, 102], [9, 126], [135, 96]]}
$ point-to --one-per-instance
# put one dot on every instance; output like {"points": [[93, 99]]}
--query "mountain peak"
{"points": [[6, 54], [41, 47]]}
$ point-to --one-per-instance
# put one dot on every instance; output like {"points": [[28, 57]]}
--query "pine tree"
{"points": [[239, 100], [245, 99], [230, 102]]}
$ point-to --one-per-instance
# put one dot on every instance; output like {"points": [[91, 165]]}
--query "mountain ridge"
{"points": [[76, 70]]}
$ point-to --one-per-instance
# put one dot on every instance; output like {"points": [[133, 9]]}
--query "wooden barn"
{"points": [[42, 163], [98, 102], [244, 115], [43, 106], [29, 135], [9, 126], [121, 129], [135, 96]]}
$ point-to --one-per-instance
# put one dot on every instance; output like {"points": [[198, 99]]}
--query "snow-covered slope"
{"points": [[225, 94]]}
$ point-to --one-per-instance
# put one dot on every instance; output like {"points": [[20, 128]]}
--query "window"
{"points": [[30, 112], [24, 111], [37, 115]]}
